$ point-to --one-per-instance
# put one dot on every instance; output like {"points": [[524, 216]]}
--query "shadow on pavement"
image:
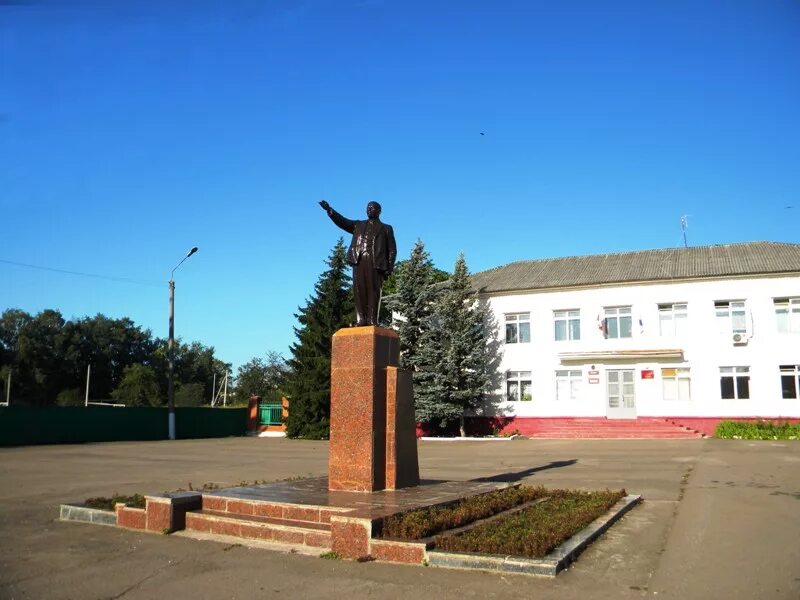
{"points": [[519, 475]]}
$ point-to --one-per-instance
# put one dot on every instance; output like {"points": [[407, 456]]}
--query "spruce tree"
{"points": [[453, 362], [309, 382], [413, 302]]}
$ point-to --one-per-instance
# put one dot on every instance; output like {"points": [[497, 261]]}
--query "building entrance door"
{"points": [[621, 402]]}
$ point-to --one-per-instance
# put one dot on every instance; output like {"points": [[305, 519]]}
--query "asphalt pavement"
{"points": [[720, 519]]}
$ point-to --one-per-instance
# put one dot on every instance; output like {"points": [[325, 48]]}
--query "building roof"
{"points": [[724, 260]]}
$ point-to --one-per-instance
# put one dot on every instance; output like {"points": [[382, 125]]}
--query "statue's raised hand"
{"points": [[325, 205]]}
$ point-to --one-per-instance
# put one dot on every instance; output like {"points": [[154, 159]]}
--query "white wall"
{"points": [[704, 348]]}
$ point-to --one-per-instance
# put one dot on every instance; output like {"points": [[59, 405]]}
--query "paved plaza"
{"points": [[720, 519]]}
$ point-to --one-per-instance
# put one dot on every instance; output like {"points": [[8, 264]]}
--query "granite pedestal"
{"points": [[373, 433]]}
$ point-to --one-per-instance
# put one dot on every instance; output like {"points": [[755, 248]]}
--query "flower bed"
{"points": [[135, 501], [424, 522], [534, 531]]}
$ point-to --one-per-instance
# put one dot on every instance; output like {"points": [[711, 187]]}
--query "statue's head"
{"points": [[373, 210]]}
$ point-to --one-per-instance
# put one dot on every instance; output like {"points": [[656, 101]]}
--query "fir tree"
{"points": [[309, 382], [413, 301], [453, 362]]}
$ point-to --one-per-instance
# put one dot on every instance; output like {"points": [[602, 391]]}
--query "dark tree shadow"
{"points": [[520, 475]]}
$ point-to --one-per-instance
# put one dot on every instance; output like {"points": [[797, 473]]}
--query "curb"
{"points": [[558, 559], [82, 514]]}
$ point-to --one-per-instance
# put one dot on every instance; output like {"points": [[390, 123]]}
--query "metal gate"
{"points": [[269, 414]]}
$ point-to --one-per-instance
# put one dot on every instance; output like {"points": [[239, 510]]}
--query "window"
{"points": [[676, 384], [518, 328], [731, 316], [617, 323], [568, 384], [518, 386], [567, 325], [790, 381], [734, 383], [672, 319], [787, 312]]}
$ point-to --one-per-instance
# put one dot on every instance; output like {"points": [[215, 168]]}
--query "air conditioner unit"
{"points": [[740, 339]]}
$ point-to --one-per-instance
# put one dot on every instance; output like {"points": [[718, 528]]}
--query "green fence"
{"points": [[22, 425]]}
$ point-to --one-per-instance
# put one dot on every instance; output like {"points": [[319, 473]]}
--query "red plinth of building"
{"points": [[373, 440]]}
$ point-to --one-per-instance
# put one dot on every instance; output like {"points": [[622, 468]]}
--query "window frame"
{"points": [[792, 373], [614, 313], [574, 378], [726, 321], [567, 316], [671, 309], [740, 379], [792, 310], [519, 378], [515, 321], [679, 374]]}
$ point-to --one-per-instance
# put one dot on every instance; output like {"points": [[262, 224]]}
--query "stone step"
{"points": [[618, 434], [259, 528], [599, 428], [599, 436], [292, 514]]}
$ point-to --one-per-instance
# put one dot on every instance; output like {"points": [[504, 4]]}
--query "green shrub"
{"points": [[536, 530], [758, 430]]}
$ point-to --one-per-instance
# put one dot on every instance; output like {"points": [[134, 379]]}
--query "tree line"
{"points": [[47, 357], [446, 334]]}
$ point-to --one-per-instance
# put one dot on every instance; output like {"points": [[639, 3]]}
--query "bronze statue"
{"points": [[372, 253]]}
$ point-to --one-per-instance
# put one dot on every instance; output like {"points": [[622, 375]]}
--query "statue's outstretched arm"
{"points": [[346, 224]]}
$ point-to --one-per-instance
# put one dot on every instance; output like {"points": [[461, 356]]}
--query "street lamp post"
{"points": [[171, 348]]}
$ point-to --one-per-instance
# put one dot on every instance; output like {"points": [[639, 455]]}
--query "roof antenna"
{"points": [[684, 227]]}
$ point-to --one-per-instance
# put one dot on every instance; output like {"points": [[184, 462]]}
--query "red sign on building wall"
{"points": [[648, 374]]}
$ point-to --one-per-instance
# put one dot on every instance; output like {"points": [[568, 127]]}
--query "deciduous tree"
{"points": [[139, 387], [265, 377]]}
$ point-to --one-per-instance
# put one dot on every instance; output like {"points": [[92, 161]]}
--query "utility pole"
{"points": [[8, 388], [171, 350], [88, 375], [171, 362]]}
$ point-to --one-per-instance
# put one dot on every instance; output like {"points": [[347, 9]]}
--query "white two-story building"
{"points": [[697, 334]]}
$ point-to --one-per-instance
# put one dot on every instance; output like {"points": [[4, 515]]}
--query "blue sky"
{"points": [[131, 131]]}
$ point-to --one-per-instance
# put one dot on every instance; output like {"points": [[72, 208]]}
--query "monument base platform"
{"points": [[305, 515]]}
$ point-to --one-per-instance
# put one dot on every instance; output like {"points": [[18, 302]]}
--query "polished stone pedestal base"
{"points": [[373, 442]]}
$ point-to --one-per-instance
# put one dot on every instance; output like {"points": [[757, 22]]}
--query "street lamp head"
{"points": [[192, 251]]}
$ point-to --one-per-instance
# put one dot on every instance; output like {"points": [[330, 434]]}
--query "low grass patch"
{"points": [[534, 531], [424, 522], [102, 503], [758, 430]]}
